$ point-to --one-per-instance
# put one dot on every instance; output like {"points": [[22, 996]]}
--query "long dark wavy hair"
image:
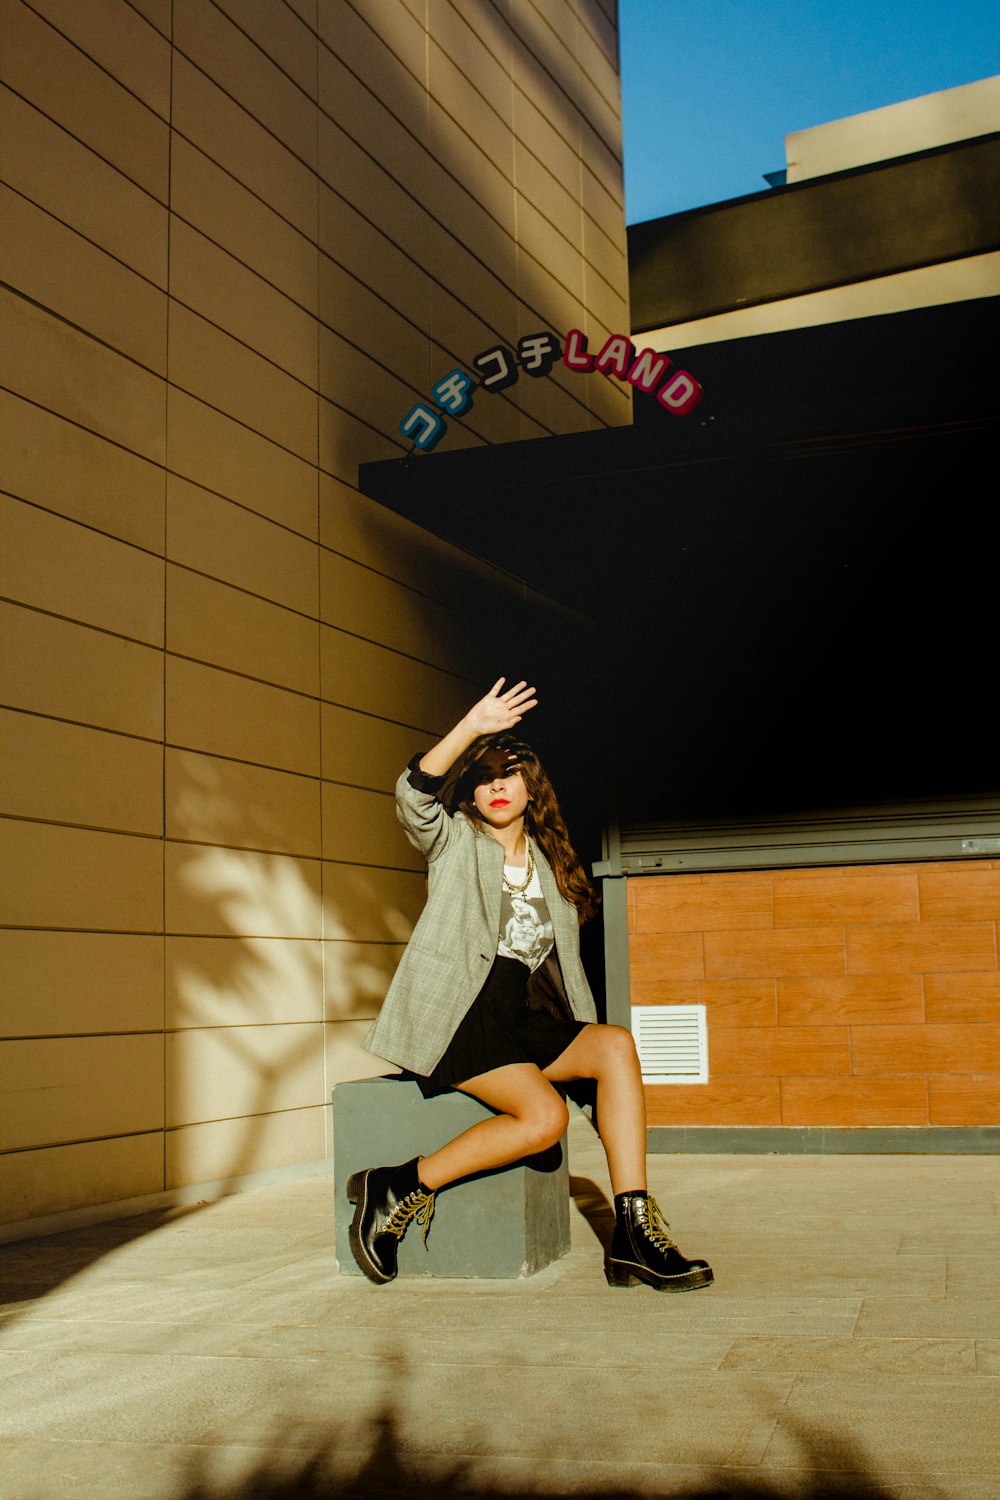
{"points": [[543, 820]]}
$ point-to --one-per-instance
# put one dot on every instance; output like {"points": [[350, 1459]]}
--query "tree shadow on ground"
{"points": [[828, 1469]]}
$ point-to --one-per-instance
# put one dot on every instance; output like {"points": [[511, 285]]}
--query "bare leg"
{"points": [[607, 1054], [532, 1116]]}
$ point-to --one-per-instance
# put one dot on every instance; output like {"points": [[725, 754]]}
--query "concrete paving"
{"points": [[850, 1346]]}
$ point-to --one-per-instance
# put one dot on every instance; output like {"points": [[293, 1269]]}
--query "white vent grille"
{"points": [[672, 1042]]}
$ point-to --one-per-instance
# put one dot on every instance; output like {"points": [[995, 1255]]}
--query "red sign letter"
{"points": [[647, 370], [575, 356], [680, 395], [616, 355]]}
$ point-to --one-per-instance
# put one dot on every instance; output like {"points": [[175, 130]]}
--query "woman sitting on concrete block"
{"points": [[490, 998]]}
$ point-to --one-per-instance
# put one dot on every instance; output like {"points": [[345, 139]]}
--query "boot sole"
{"points": [[357, 1185], [627, 1276]]}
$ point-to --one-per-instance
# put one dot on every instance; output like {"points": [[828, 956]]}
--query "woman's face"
{"points": [[500, 795]]}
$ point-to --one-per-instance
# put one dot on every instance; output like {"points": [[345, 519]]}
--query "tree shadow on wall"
{"points": [[827, 1468], [255, 1001], [292, 946]]}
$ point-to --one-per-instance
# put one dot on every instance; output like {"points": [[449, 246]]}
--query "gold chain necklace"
{"points": [[519, 890]]}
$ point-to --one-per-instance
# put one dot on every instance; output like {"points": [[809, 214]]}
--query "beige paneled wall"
{"points": [[239, 241]]}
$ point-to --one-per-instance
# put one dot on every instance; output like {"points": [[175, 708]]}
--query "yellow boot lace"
{"points": [[416, 1206], [655, 1225]]}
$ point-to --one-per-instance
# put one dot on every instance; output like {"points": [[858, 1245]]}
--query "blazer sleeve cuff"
{"points": [[419, 780]]}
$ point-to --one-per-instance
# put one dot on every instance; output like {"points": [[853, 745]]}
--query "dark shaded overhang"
{"points": [[585, 517], [795, 585], [898, 215]]}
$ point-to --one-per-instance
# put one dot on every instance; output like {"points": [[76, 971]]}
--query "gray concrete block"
{"points": [[508, 1223]]}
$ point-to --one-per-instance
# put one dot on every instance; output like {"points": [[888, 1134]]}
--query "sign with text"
{"points": [[499, 367]]}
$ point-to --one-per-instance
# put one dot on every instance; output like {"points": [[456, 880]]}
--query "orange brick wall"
{"points": [[864, 995]]}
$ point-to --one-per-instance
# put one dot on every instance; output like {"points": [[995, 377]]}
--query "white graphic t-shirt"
{"points": [[525, 927]]}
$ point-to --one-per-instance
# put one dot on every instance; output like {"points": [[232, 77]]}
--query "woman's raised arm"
{"points": [[492, 714]]}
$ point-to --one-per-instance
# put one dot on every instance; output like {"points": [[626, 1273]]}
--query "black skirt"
{"points": [[500, 1028]]}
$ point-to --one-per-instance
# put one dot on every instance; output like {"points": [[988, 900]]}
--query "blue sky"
{"points": [[710, 90]]}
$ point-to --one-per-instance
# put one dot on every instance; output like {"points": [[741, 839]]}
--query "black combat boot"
{"points": [[388, 1199], [642, 1250]]}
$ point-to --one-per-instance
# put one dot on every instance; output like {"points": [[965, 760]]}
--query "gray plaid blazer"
{"points": [[455, 940]]}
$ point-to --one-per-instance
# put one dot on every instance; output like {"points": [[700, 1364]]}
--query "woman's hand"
{"points": [[498, 711]]}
